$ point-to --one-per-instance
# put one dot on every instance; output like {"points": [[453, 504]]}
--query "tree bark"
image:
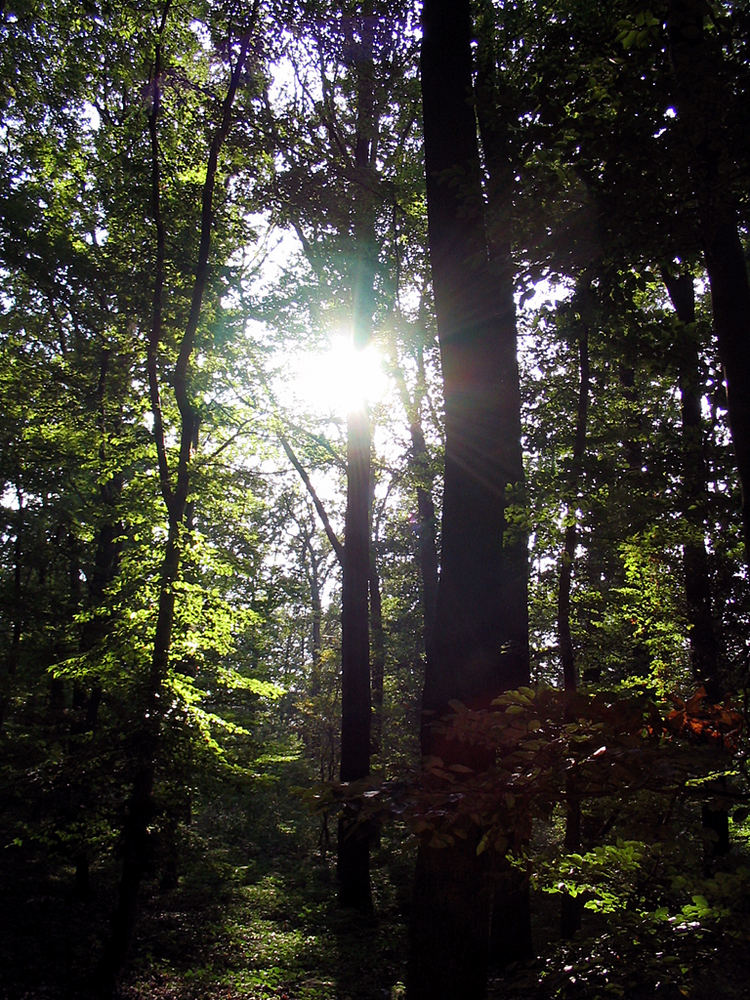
{"points": [[318, 746], [17, 611], [377, 646], [353, 860], [316, 603], [427, 545], [510, 938], [109, 541], [480, 642], [419, 464], [571, 906], [704, 644], [570, 541], [703, 101]]}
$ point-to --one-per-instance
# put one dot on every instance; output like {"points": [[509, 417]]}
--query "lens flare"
{"points": [[340, 380]]}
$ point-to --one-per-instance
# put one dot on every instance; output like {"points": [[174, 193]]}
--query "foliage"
{"points": [[604, 750], [598, 202], [608, 744]]}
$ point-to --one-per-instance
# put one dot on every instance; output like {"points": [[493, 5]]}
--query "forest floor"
{"points": [[253, 917], [257, 922]]}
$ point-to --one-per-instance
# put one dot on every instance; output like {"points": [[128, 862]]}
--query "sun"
{"points": [[339, 380]]}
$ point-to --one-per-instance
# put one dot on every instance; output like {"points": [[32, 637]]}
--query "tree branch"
{"points": [[187, 410], [157, 304], [333, 538]]}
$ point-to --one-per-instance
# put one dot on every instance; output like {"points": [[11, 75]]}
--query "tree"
{"points": [[335, 153], [158, 569], [704, 98], [353, 851], [704, 643], [479, 646], [175, 485]]}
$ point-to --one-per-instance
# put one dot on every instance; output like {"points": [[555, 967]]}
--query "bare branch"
{"points": [[333, 538]]}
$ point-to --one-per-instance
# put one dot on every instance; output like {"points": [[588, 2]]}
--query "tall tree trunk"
{"points": [[419, 463], [703, 102], [571, 906], [353, 860], [109, 537], [107, 553], [145, 749], [316, 603], [427, 544], [570, 540], [377, 645], [175, 491], [17, 611], [495, 101], [317, 746], [704, 643], [480, 641]]}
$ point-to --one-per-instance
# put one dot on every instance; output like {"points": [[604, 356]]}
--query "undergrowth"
{"points": [[254, 917]]}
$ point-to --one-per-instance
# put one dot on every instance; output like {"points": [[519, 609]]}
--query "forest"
{"points": [[375, 499]]}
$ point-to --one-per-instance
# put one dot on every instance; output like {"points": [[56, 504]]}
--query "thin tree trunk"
{"points": [[313, 582], [97, 626], [632, 446], [419, 462], [17, 612], [135, 837], [318, 746], [377, 644], [331, 535], [565, 639], [571, 907], [109, 541], [18, 606], [427, 544]]}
